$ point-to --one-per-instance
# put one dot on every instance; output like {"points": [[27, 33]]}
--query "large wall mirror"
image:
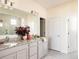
{"points": [[10, 19], [8, 23]]}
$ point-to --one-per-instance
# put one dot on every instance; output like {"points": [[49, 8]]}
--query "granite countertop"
{"points": [[11, 44], [14, 44]]}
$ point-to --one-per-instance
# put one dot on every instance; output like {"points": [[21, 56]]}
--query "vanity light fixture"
{"points": [[1, 23], [7, 4], [34, 12], [1, 3]]}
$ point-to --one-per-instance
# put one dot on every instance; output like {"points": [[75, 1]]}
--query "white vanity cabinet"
{"points": [[35, 49], [22, 54], [11, 56], [32, 50], [42, 48], [18, 52], [45, 47], [33, 57]]}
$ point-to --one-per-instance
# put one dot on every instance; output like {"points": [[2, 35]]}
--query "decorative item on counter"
{"points": [[29, 37], [34, 36], [23, 31], [25, 37]]}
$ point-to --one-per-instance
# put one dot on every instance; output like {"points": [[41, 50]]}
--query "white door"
{"points": [[72, 34], [11, 56], [57, 32], [22, 54]]}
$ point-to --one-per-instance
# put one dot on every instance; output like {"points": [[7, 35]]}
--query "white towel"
{"points": [[44, 39]]}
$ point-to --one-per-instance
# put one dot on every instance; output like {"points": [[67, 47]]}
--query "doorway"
{"points": [[42, 27]]}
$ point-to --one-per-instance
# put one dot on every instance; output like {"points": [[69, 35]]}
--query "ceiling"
{"points": [[50, 3]]}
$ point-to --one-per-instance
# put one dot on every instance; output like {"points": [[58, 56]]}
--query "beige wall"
{"points": [[66, 9], [28, 5]]}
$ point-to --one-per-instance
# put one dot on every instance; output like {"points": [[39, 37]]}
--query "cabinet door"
{"points": [[33, 57], [45, 47], [22, 54], [33, 50], [12, 56], [40, 49]]}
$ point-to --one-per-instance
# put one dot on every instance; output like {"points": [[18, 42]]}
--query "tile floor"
{"points": [[58, 55]]}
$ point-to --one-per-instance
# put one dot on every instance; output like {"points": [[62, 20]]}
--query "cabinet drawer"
{"points": [[22, 54], [33, 57], [33, 44], [33, 50], [11, 56]]}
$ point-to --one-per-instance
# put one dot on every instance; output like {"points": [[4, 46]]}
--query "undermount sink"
{"points": [[10, 44], [7, 45]]}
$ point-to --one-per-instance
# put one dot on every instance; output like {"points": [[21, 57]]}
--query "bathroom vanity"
{"points": [[34, 49], [9, 20]]}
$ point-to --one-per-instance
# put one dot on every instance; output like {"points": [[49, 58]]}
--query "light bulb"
{"points": [[1, 24]]}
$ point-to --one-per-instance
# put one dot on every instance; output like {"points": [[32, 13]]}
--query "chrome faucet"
{"points": [[7, 39]]}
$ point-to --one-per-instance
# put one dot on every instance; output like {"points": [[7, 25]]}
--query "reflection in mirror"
{"points": [[13, 21], [1, 23], [8, 23]]}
